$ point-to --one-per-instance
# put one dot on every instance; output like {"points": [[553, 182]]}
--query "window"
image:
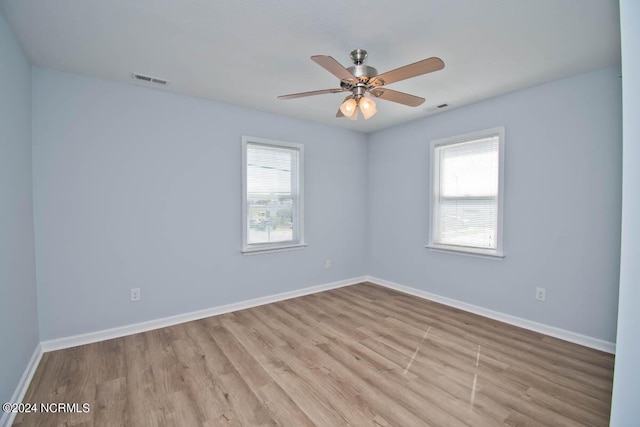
{"points": [[466, 193], [272, 195]]}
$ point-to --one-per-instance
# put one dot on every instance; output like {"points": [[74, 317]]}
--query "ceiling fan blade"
{"points": [[425, 66], [395, 96], [314, 92], [334, 67]]}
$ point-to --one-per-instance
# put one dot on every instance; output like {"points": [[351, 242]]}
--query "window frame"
{"points": [[257, 248], [498, 252]]}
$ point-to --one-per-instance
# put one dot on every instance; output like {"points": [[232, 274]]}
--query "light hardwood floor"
{"points": [[359, 355]]}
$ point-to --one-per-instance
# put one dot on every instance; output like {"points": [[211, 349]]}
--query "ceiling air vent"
{"points": [[149, 79]]}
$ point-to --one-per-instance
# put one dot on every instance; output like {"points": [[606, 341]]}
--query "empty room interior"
{"points": [[319, 213]]}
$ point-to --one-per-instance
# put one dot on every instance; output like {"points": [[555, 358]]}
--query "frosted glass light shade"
{"points": [[368, 107], [349, 107]]}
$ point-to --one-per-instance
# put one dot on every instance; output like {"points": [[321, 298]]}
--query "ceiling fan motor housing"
{"points": [[362, 70]]}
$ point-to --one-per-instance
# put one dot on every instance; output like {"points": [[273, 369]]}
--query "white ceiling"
{"points": [[247, 52]]}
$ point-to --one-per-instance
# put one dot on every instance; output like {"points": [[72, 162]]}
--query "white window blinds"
{"points": [[270, 170]]}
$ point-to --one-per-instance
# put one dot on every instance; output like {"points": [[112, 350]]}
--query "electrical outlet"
{"points": [[541, 294], [327, 263], [135, 294]]}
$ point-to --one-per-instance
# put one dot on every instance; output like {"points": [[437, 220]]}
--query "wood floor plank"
{"points": [[358, 355]]}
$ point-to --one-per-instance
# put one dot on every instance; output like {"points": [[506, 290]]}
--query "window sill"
{"points": [[270, 249], [471, 252]]}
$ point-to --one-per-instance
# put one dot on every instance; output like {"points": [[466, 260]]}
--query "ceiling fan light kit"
{"points": [[360, 79], [349, 108]]}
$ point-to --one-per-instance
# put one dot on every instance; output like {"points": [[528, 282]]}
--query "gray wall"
{"points": [[561, 214], [18, 316], [626, 385], [136, 187]]}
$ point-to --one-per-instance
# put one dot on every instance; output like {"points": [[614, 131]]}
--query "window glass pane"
{"points": [[272, 194], [270, 220]]}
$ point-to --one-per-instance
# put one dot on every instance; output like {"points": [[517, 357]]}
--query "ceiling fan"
{"points": [[360, 79]]}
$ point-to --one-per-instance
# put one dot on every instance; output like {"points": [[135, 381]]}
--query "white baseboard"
{"points": [[91, 337], [562, 334], [23, 385]]}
